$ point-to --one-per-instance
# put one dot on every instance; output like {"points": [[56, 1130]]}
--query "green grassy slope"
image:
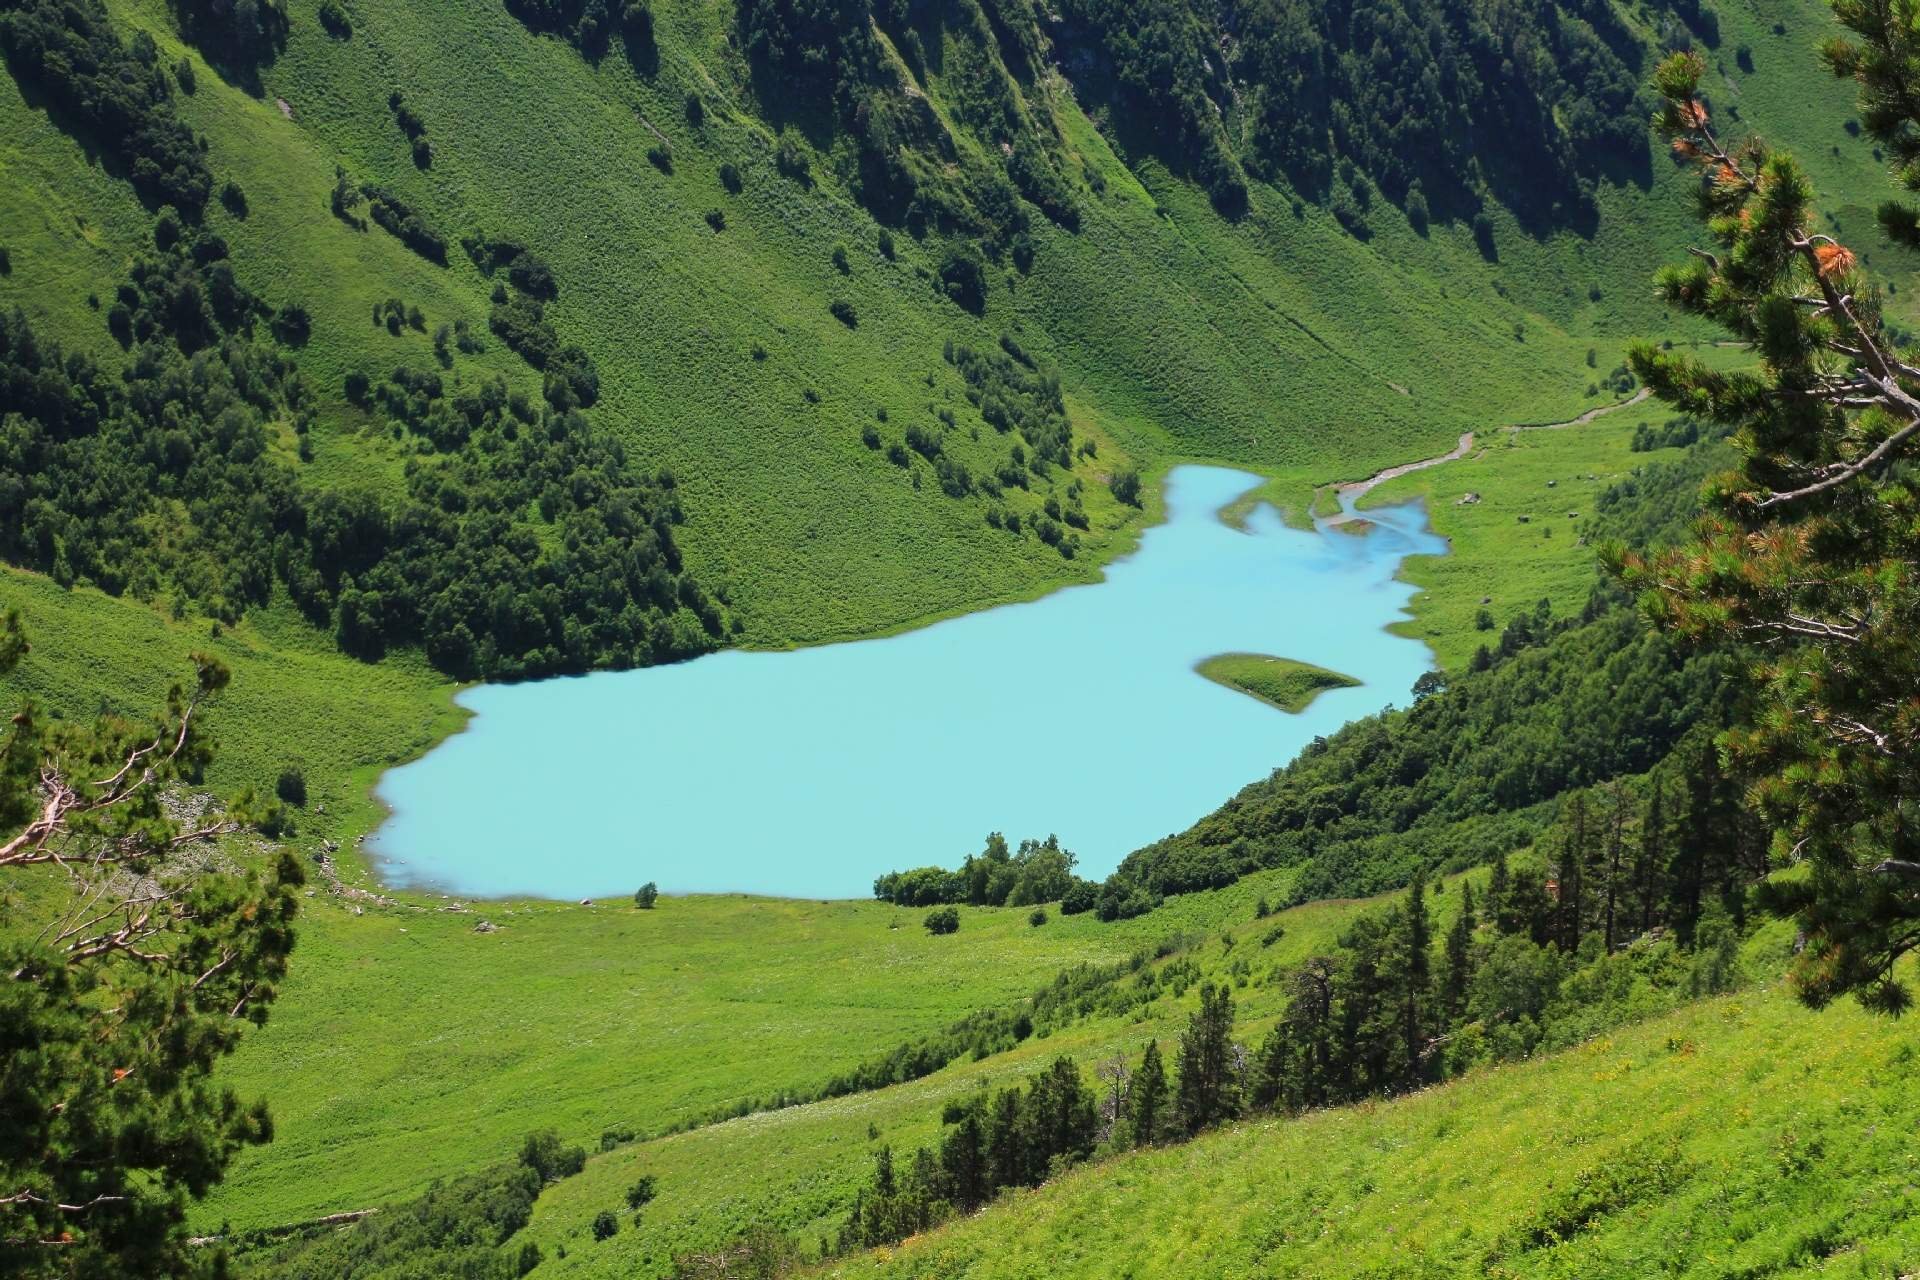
{"points": [[1743, 1136], [1279, 342], [799, 1167]]}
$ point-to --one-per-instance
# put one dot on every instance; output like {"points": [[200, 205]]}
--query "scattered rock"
{"points": [[286, 108], [486, 926], [331, 846], [1524, 519], [586, 902], [1573, 515], [1486, 599], [1553, 484], [1467, 500]]}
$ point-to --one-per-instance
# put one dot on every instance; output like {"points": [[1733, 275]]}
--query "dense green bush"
{"points": [[69, 51], [942, 920]]}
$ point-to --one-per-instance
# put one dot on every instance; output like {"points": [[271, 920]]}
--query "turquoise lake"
{"points": [[807, 773]]}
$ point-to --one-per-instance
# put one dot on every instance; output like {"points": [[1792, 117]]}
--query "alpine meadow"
{"points": [[1348, 574]]}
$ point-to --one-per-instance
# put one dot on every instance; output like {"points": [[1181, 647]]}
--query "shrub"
{"points": [[1126, 486], [6, 261], [333, 17], [660, 158], [642, 1192], [292, 787], [792, 162], [843, 312], [943, 921], [963, 274], [605, 1224], [840, 262], [730, 178], [717, 219], [1038, 917], [233, 199], [646, 895], [292, 325], [870, 436], [543, 1153], [696, 110], [886, 244]]}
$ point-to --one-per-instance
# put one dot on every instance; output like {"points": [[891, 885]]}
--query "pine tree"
{"points": [[1458, 979], [1809, 553], [1499, 891], [1616, 848], [1417, 976], [1147, 1099], [111, 1121], [1573, 868], [1652, 849], [1207, 1092]]}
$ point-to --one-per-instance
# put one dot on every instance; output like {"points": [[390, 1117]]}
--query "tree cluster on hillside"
{"points": [[171, 476], [462, 1227], [115, 92], [1041, 871], [1466, 771], [137, 954]]}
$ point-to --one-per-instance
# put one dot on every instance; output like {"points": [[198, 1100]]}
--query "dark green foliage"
{"points": [[730, 178], [451, 567], [1126, 486], [335, 19], [464, 1226], [68, 50], [843, 312], [1462, 772], [238, 36], [1166, 68], [1147, 1099], [1009, 1139], [133, 966], [1018, 395], [1208, 1085], [549, 1158], [717, 219], [1042, 871], [606, 1224], [942, 920], [1808, 551], [646, 896], [400, 221], [641, 1193], [660, 158], [963, 273], [1037, 917], [292, 787]]}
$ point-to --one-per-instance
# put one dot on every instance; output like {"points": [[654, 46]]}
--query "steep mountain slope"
{"points": [[1743, 1136], [1274, 339]]}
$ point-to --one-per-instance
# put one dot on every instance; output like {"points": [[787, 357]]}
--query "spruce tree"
{"points": [[1808, 555], [1616, 849], [133, 963], [1459, 959], [1147, 1099], [1417, 976], [1573, 868], [1207, 1091], [1652, 849]]}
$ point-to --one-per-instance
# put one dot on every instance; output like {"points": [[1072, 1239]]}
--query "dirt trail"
{"points": [[1358, 489]]}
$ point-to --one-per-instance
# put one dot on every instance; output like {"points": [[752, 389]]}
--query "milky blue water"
{"points": [[808, 773]]}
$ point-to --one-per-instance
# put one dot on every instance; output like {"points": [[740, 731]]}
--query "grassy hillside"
{"points": [[1742, 1136], [407, 1044]]}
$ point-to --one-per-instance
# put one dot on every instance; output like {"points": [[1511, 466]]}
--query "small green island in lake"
{"points": [[1282, 682]]}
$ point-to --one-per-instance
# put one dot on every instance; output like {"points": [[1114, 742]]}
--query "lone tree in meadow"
{"points": [[646, 895], [146, 957], [1811, 553]]}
